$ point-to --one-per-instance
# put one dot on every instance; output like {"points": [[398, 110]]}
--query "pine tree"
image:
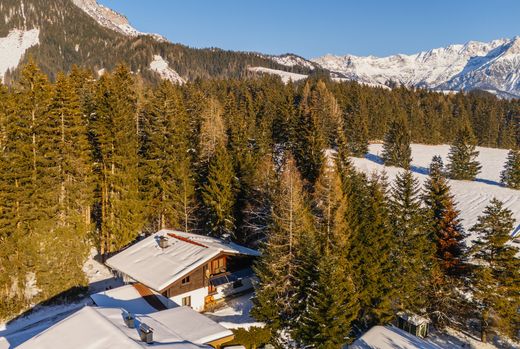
{"points": [[68, 151], [28, 191], [373, 246], [257, 211], [396, 146], [116, 135], [496, 281], [463, 164], [331, 304], [168, 182], [444, 222], [356, 125], [447, 234], [219, 194], [510, 176], [212, 131], [412, 244], [274, 301], [309, 137]]}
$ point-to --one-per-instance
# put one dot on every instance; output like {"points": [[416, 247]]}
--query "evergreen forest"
{"points": [[100, 162]]}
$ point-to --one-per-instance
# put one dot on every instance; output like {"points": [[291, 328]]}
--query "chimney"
{"points": [[129, 319], [163, 242], [146, 333]]}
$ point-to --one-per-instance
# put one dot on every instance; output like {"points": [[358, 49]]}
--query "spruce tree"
{"points": [[396, 146], [277, 268], [257, 211], [331, 304], [309, 137], [496, 281], [443, 220], [373, 247], [446, 233], [116, 135], [219, 194], [356, 125], [463, 163], [412, 244], [168, 183], [510, 176]]}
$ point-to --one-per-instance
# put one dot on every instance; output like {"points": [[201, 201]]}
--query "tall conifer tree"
{"points": [[117, 136], [412, 244], [331, 304], [168, 181], [497, 278], [396, 146], [510, 176], [277, 269], [463, 163], [219, 194]]}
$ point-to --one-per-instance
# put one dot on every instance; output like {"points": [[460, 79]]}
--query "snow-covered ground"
{"points": [[286, 76], [21, 329], [471, 196], [162, 67], [235, 313], [13, 47]]}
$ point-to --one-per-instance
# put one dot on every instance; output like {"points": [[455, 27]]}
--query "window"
{"points": [[186, 280], [186, 301], [218, 266]]}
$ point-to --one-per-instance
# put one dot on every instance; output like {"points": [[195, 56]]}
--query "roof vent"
{"points": [[226, 238], [129, 319], [146, 333], [163, 242]]}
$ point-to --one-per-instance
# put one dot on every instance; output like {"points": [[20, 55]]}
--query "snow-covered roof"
{"points": [[97, 328], [390, 337], [191, 325], [128, 298], [158, 267]]}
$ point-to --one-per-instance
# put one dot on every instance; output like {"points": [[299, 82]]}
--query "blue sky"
{"points": [[314, 28]]}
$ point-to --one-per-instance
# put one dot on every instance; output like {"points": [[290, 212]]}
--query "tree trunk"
{"points": [[484, 326]]}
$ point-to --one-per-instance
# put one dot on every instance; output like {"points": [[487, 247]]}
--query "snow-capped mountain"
{"points": [[111, 19], [493, 66], [292, 60]]}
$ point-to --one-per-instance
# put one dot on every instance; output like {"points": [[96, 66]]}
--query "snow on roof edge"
{"points": [[122, 262]]}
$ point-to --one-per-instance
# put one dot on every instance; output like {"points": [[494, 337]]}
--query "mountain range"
{"points": [[61, 33]]}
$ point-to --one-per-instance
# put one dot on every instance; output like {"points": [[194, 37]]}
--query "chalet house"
{"points": [[101, 328], [191, 270]]}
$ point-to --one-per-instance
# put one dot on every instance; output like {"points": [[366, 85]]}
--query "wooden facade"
{"points": [[198, 278]]}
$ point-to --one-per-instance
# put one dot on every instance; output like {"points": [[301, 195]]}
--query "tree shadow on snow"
{"points": [[73, 299], [426, 171]]}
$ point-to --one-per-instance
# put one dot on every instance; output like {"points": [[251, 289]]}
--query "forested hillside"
{"points": [[69, 36], [88, 162]]}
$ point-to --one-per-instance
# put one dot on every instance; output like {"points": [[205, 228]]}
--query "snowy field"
{"points": [[471, 197]]}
